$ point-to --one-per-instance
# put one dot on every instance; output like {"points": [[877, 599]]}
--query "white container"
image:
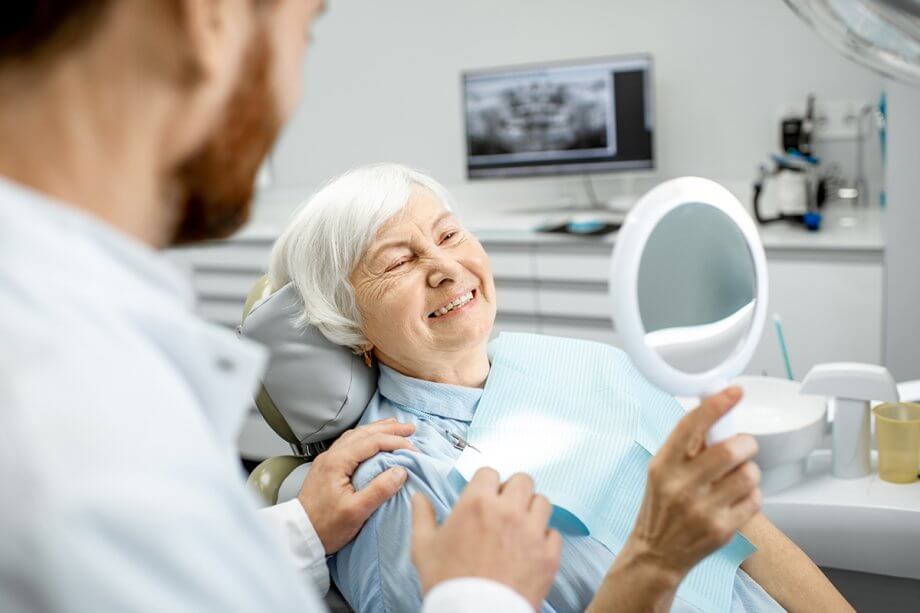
{"points": [[787, 425]]}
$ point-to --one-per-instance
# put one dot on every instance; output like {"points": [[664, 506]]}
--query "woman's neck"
{"points": [[467, 369]]}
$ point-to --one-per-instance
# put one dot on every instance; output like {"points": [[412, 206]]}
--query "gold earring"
{"points": [[368, 359]]}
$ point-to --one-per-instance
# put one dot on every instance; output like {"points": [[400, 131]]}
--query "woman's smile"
{"points": [[456, 306]]}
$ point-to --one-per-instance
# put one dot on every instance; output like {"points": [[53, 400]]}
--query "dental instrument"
{"points": [[778, 323]]}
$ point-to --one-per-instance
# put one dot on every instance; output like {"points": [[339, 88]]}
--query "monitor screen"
{"points": [[573, 117]]}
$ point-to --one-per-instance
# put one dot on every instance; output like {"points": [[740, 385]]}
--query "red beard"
{"points": [[216, 184]]}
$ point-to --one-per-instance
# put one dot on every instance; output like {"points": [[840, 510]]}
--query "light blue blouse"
{"points": [[375, 571]]}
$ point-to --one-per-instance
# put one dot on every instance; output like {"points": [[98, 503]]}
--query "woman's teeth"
{"points": [[459, 302]]}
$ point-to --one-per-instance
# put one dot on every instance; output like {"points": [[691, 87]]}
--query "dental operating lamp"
{"points": [[883, 35]]}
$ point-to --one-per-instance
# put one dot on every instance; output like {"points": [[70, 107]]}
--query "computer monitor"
{"points": [[561, 118]]}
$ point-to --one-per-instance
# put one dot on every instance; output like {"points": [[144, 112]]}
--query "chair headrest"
{"points": [[313, 389]]}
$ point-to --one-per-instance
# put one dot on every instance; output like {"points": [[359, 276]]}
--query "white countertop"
{"points": [[844, 228], [862, 524]]}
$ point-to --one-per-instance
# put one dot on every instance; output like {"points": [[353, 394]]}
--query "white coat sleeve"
{"points": [[474, 594], [290, 521]]}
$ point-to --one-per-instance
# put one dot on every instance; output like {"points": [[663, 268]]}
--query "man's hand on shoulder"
{"points": [[335, 509]]}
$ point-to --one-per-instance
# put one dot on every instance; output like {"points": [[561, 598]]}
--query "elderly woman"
{"points": [[384, 267]]}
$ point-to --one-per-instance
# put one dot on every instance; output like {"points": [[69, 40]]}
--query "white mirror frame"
{"points": [[624, 275]]}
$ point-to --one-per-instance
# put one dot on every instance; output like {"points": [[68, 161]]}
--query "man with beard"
{"points": [[127, 126]]}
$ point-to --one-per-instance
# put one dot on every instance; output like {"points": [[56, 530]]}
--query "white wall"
{"points": [[382, 83]]}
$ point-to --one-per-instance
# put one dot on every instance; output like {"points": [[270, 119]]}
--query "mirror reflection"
{"points": [[696, 288]]}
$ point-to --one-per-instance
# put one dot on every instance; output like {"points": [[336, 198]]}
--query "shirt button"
{"points": [[225, 365]]}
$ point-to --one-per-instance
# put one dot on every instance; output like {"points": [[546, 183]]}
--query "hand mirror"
{"points": [[688, 284]]}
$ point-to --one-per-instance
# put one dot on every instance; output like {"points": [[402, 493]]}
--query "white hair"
{"points": [[327, 236]]}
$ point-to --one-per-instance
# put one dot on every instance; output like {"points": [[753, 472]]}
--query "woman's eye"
{"points": [[396, 265], [448, 236]]}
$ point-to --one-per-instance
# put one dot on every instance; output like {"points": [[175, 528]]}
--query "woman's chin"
{"points": [[461, 330]]}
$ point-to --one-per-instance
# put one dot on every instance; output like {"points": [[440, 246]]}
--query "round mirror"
{"points": [[688, 285], [696, 287]]}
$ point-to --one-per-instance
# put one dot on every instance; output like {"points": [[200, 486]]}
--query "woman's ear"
{"points": [[367, 350]]}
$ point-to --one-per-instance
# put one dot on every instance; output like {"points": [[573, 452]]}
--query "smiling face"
{"points": [[424, 289]]}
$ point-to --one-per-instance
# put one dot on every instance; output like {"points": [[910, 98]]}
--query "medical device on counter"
{"points": [[796, 133], [850, 388], [795, 189], [793, 185], [688, 284]]}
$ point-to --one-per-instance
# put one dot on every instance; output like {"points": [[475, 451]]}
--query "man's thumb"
{"points": [[381, 488]]}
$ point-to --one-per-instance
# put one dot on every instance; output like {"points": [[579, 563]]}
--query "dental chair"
{"points": [[312, 391]]}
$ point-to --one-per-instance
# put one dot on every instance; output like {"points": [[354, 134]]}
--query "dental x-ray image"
{"points": [[577, 116], [544, 115]]}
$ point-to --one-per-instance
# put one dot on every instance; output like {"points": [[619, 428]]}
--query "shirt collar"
{"points": [[437, 399]]}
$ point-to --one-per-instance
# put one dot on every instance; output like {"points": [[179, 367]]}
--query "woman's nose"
{"points": [[443, 271]]}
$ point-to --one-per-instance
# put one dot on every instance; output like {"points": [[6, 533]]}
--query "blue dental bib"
{"points": [[584, 423]]}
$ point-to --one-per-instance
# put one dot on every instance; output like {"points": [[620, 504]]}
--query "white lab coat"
{"points": [[119, 412]]}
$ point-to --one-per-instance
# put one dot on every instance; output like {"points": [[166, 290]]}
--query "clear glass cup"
{"points": [[897, 433]]}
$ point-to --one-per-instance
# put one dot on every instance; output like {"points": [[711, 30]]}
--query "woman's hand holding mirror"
{"points": [[697, 497]]}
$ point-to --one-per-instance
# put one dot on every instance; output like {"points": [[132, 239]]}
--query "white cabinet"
{"points": [[831, 310], [579, 261]]}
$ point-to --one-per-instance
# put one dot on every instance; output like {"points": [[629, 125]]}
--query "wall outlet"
{"points": [[834, 119]]}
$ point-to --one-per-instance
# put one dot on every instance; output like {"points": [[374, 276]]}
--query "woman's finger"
{"points": [[717, 461], [692, 428], [736, 485], [745, 509]]}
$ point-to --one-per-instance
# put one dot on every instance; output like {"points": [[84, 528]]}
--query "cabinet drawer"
{"points": [[574, 301], [224, 312], [598, 331], [516, 298], [220, 284], [573, 263], [243, 256], [515, 323], [509, 262]]}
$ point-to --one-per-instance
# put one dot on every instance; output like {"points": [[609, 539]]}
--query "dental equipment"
{"points": [[850, 387], [778, 324]]}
